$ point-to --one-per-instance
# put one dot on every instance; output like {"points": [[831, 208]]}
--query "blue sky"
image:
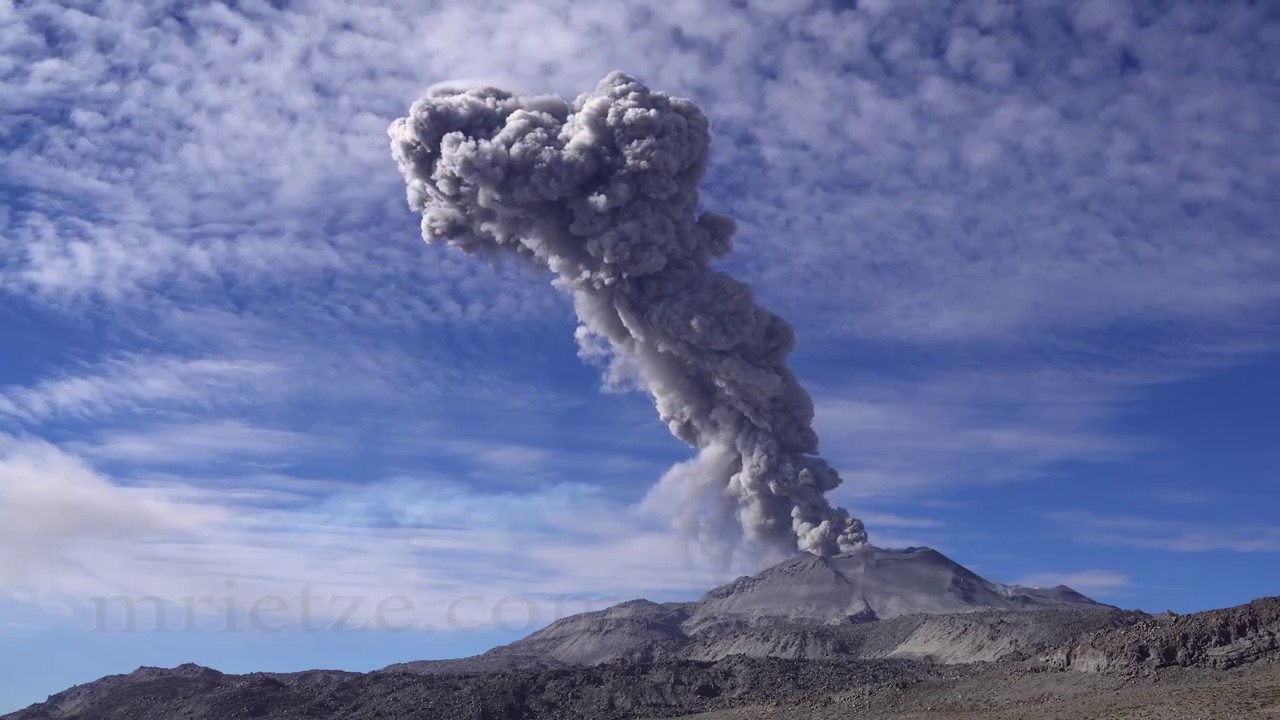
{"points": [[1029, 250]]}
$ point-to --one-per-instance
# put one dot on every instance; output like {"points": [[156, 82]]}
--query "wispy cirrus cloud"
{"points": [[133, 382], [905, 437], [225, 441], [1095, 582], [878, 519], [1173, 535]]}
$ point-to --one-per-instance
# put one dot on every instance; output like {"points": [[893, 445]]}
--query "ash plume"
{"points": [[603, 192]]}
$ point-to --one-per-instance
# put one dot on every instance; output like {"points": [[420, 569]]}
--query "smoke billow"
{"points": [[604, 194]]}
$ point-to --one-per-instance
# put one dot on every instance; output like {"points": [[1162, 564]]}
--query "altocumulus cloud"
{"points": [[992, 183], [1133, 140]]}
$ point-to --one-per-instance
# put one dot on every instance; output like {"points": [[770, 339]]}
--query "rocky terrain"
{"points": [[876, 634], [1220, 639], [1015, 694]]}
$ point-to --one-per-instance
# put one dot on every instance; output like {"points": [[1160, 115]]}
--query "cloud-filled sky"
{"points": [[1029, 250]]}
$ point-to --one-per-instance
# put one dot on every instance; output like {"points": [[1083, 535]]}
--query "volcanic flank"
{"points": [[603, 194], [813, 607]]}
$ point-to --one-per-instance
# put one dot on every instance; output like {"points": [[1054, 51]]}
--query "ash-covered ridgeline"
{"points": [[603, 192]]}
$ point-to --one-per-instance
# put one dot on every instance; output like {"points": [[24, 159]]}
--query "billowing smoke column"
{"points": [[603, 193]]}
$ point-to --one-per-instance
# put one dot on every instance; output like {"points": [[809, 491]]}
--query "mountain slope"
{"points": [[869, 603], [1183, 656], [884, 628]]}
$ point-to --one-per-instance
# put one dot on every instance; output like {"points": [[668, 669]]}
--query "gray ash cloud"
{"points": [[603, 192]]}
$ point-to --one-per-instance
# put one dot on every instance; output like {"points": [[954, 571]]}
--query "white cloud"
{"points": [[53, 503], [506, 459], [876, 519], [893, 437], [189, 443], [1089, 582], [1171, 535], [71, 536], [1075, 197], [129, 383]]}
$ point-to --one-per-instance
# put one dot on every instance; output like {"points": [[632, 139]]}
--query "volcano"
{"points": [[872, 583], [909, 602]]}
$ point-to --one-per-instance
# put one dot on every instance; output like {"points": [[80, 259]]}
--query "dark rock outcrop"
{"points": [[1218, 639]]}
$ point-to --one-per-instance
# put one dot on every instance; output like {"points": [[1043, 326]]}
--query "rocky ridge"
{"points": [[892, 634], [1229, 666], [1221, 639]]}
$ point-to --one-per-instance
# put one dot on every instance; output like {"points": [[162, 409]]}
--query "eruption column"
{"points": [[604, 194]]}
